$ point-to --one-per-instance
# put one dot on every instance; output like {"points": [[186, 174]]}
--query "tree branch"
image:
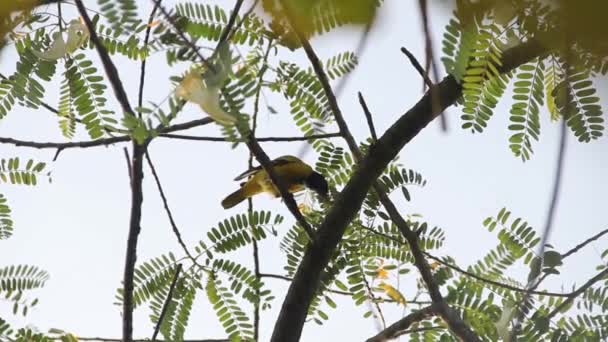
{"points": [[368, 117], [417, 66], [346, 205], [453, 320], [264, 139], [137, 176], [99, 142], [163, 311], [191, 45], [578, 292], [167, 209], [142, 73], [136, 180], [108, 65], [290, 202], [584, 243], [109, 339], [535, 280], [398, 328]]}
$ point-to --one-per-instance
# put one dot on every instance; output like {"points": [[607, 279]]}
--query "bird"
{"points": [[296, 174]]}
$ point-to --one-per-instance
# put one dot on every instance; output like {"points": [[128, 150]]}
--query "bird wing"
{"points": [[273, 163]]}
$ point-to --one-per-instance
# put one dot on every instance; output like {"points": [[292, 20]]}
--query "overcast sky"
{"points": [[76, 226]]}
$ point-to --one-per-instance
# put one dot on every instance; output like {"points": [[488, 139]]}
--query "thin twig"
{"points": [[125, 150], [163, 311], [263, 139], [166, 206], [256, 254], [109, 339], [99, 142], [279, 182], [59, 16], [142, 73], [534, 282], [600, 276], [466, 273], [418, 67], [430, 59], [398, 328], [492, 282], [368, 117], [584, 243], [228, 29], [191, 45]]}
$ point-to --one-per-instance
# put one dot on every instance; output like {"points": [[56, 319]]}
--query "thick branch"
{"points": [[347, 204], [398, 328], [453, 320]]}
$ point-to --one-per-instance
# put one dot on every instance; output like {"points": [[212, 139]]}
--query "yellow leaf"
{"points": [[381, 273], [393, 293], [434, 265], [154, 23]]}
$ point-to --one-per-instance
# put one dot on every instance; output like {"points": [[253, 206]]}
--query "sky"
{"points": [[75, 227]]}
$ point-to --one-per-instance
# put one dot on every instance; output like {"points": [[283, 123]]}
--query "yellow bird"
{"points": [[295, 173]]}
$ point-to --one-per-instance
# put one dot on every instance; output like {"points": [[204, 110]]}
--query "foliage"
{"points": [[372, 261], [473, 44]]}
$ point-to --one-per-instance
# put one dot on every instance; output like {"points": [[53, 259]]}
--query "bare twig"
{"points": [[368, 117], [125, 151], [99, 142], [398, 328], [417, 66], [163, 311], [142, 73], [109, 339], [263, 139], [167, 209], [492, 282], [584, 243], [430, 57]]}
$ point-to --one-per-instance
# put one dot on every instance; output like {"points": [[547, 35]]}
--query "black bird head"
{"points": [[317, 182]]}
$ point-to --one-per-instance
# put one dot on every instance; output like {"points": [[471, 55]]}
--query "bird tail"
{"points": [[234, 199]]}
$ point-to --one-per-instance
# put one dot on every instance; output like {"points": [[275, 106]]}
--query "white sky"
{"points": [[76, 227]]}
